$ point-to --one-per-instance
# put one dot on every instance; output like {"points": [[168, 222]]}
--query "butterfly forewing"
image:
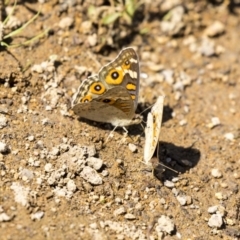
{"points": [[153, 128]]}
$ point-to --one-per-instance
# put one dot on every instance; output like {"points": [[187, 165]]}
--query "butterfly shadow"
{"points": [[179, 159]]}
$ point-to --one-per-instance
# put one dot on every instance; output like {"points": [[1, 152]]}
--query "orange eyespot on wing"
{"points": [[126, 64], [87, 98], [97, 88], [115, 76]]}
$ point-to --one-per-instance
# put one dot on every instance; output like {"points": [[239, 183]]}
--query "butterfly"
{"points": [[152, 130], [111, 96]]}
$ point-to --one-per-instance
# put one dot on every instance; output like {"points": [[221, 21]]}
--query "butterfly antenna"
{"points": [[146, 109], [150, 106]]}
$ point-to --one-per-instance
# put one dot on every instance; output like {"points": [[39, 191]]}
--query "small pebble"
{"points": [[165, 224], [26, 174], [95, 163], [230, 222], [219, 196], [3, 122], [129, 216], [4, 217], [55, 151], [184, 200], [3, 147], [207, 47], [216, 173], [183, 122], [229, 136], [31, 138], [93, 226], [215, 221], [214, 122], [215, 29], [175, 192], [37, 215], [92, 40], [48, 108], [169, 184], [212, 209], [132, 147], [168, 76], [162, 201], [48, 167], [66, 22], [236, 175], [71, 186], [175, 179], [105, 173], [91, 176], [119, 211]]}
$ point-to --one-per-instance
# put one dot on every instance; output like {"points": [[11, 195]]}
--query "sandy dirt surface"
{"points": [[58, 178]]}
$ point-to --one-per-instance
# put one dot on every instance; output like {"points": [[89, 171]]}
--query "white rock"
{"points": [[132, 147], [183, 122], [93, 225], [3, 147], [184, 200], [92, 40], [219, 195], [31, 138], [66, 22], [214, 122], [48, 108], [20, 192], [37, 68], [37, 215], [4, 217], [91, 176], [90, 150], [175, 179], [27, 174], [48, 167], [95, 163], [55, 151], [212, 209], [236, 175], [215, 29], [129, 216], [3, 121], [71, 186], [168, 76], [169, 184], [207, 47], [229, 136], [119, 211], [216, 173], [105, 173], [215, 221], [165, 224]]}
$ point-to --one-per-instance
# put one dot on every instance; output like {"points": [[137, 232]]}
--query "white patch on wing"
{"points": [[132, 74], [133, 60]]}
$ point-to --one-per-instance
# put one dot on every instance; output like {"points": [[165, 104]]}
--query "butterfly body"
{"points": [[112, 95]]}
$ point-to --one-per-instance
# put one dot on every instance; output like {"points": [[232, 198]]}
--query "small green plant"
{"points": [[124, 10], [4, 38]]}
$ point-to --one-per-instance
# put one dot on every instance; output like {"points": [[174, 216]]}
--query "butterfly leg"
{"points": [[111, 134]]}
